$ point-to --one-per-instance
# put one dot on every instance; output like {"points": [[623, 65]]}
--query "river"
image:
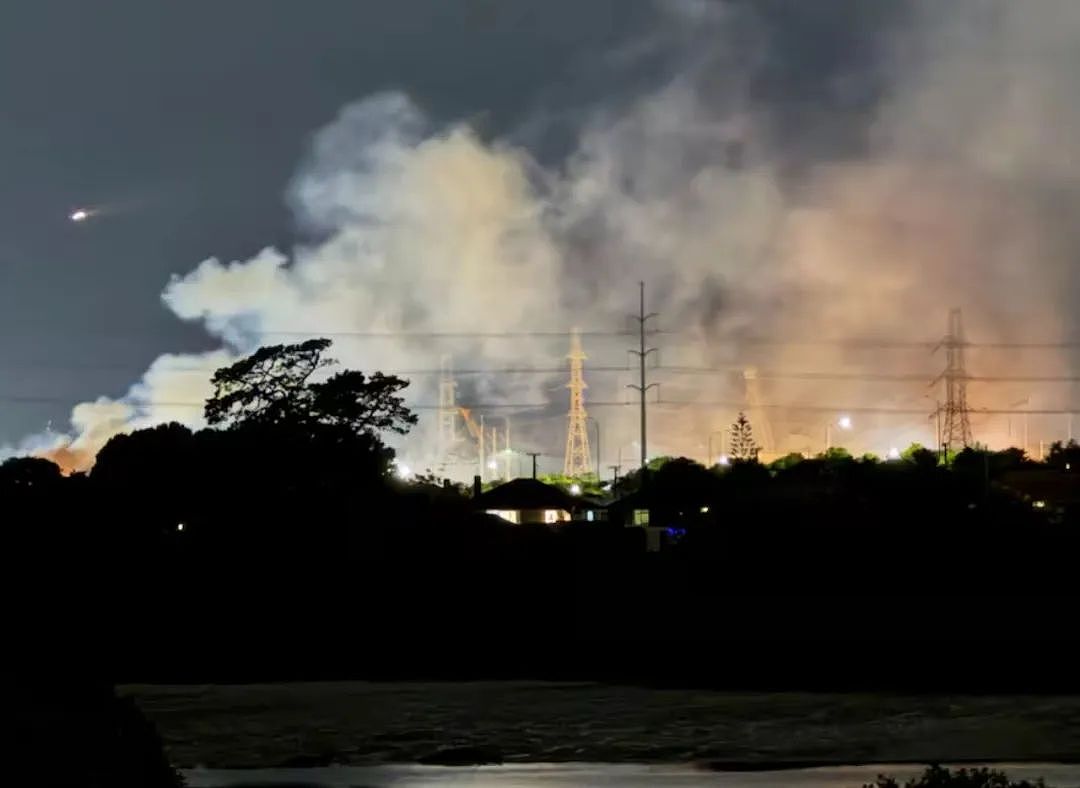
{"points": [[585, 775]]}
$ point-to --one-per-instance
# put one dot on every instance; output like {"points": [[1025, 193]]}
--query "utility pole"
{"points": [[483, 459], [534, 455], [509, 451], [936, 416], [614, 477], [643, 388]]}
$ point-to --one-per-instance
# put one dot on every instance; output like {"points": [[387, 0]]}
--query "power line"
{"points": [[873, 344], [672, 369], [663, 403], [442, 334], [855, 408]]}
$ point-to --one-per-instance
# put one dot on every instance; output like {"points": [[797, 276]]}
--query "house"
{"points": [[532, 501], [663, 514], [1055, 491]]}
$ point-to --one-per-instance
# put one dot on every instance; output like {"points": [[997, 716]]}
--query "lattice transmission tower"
{"points": [[576, 462], [956, 426], [448, 410]]}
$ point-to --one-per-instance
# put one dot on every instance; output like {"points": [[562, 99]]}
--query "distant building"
{"points": [[1055, 491], [526, 501], [664, 521]]}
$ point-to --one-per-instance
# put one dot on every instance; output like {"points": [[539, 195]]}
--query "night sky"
{"points": [[184, 123]]}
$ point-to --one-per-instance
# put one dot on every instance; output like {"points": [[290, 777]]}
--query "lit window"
{"points": [[641, 517], [590, 515], [551, 516]]}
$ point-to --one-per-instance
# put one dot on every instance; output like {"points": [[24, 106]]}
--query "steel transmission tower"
{"points": [[448, 411], [576, 463], [956, 424]]}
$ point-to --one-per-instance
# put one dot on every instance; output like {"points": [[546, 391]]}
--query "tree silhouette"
{"points": [[148, 459], [267, 387], [29, 473], [742, 440], [361, 404], [938, 777], [1062, 456], [271, 388]]}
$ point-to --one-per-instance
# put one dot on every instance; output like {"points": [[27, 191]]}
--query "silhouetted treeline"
{"points": [[280, 544], [250, 554]]}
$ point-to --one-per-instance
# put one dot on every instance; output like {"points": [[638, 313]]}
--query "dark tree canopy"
{"points": [[272, 387], [268, 387], [28, 473], [361, 404], [150, 457]]}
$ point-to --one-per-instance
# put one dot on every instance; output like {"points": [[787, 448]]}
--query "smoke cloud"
{"points": [[938, 172]]}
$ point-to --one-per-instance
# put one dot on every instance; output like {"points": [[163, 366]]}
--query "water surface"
{"points": [[586, 775]]}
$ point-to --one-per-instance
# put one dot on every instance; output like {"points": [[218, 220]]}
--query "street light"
{"points": [[844, 423]]}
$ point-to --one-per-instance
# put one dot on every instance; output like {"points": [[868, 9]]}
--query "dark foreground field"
{"points": [[308, 724]]}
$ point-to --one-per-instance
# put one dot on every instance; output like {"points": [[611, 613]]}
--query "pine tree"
{"points": [[742, 440]]}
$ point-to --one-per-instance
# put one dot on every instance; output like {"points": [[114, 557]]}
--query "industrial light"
{"points": [[493, 465], [179, 526], [844, 422], [704, 509], [725, 460], [575, 489], [403, 471], [1039, 504], [893, 453]]}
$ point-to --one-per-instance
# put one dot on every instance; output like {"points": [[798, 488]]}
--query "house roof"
{"points": [[521, 494]]}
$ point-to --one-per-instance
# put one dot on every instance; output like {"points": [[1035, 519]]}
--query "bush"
{"points": [[937, 777]]}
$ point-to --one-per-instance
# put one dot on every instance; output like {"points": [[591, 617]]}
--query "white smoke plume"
{"points": [[958, 191]]}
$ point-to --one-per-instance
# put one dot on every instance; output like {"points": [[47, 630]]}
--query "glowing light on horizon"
{"points": [[80, 215], [845, 422]]}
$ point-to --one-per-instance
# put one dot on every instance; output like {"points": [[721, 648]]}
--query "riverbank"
{"points": [[368, 724]]}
